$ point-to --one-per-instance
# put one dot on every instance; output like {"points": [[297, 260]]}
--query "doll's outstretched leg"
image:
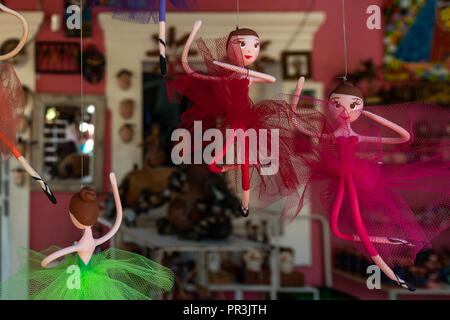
{"points": [[362, 232], [245, 182], [220, 155], [229, 167]]}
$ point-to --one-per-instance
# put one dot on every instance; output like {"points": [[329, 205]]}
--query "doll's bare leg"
{"points": [[231, 167], [362, 232], [245, 203], [213, 166], [386, 240], [245, 182]]}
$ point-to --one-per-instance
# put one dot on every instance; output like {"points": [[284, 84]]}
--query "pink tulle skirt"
{"points": [[403, 191]]}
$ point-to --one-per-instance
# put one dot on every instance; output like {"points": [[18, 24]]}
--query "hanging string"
{"points": [[301, 26], [81, 127], [237, 14], [345, 40]]}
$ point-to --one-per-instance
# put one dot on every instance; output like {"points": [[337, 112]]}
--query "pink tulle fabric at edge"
{"points": [[403, 190]]}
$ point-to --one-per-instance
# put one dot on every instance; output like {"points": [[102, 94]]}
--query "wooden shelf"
{"points": [[392, 291], [357, 278], [240, 288]]}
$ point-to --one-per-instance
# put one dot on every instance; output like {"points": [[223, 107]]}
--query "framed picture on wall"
{"points": [[296, 64], [58, 57]]}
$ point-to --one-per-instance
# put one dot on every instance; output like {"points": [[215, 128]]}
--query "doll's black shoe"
{"points": [[245, 212], [163, 64], [46, 189], [404, 284]]}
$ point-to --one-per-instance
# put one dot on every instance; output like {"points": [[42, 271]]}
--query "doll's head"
{"points": [[83, 208], [349, 102], [243, 47]]}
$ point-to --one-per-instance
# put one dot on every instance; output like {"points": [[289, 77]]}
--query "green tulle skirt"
{"points": [[112, 274]]}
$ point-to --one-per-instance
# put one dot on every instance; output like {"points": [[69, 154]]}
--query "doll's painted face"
{"points": [[243, 50], [346, 108]]}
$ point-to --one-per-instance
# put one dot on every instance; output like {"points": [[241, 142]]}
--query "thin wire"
{"points": [[237, 14], [345, 40], [301, 25], [81, 89]]}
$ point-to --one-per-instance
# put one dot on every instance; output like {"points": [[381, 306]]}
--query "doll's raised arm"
{"points": [[255, 76], [58, 254], [184, 56], [24, 34], [115, 227], [404, 135], [298, 126]]}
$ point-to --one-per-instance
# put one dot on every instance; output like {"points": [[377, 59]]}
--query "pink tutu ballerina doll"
{"points": [[376, 214]]}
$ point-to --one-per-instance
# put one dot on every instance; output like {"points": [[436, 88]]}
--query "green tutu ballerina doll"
{"points": [[112, 274]]}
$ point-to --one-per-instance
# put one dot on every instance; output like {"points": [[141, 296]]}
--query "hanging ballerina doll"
{"points": [[12, 105], [112, 274], [375, 215], [220, 98]]}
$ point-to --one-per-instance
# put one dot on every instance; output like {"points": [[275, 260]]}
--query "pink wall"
{"points": [[51, 225], [327, 58]]}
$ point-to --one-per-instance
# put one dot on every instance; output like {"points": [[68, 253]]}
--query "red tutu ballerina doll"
{"points": [[375, 215], [220, 100]]}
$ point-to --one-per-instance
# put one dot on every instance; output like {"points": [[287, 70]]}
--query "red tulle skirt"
{"points": [[223, 103], [12, 105]]}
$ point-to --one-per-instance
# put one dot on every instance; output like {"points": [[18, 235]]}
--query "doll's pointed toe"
{"points": [[51, 196], [163, 64], [404, 284], [245, 212]]}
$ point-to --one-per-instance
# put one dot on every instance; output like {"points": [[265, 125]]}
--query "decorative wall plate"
{"points": [[93, 65]]}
